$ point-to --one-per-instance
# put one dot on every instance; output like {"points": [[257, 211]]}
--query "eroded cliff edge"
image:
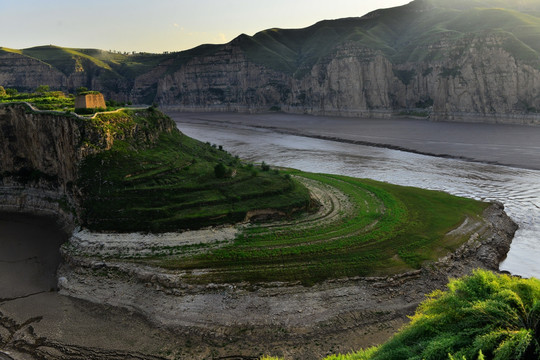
{"points": [[278, 313], [41, 154]]}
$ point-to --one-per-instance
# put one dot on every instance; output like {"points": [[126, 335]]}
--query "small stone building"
{"points": [[89, 100]]}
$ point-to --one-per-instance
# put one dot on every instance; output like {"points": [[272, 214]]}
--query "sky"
{"points": [[161, 25]]}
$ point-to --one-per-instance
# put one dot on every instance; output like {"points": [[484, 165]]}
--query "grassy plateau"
{"points": [[150, 177]]}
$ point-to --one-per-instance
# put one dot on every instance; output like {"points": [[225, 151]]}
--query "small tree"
{"points": [[42, 89], [265, 166], [220, 171], [2, 91]]}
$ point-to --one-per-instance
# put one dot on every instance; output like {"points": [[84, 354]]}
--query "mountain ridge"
{"points": [[446, 60]]}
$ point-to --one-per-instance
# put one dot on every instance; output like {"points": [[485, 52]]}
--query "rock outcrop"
{"points": [[247, 312], [453, 61], [41, 153]]}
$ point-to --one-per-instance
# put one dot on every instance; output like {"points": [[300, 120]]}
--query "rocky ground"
{"points": [[112, 308]]}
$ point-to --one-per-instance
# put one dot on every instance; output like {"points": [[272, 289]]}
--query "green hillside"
{"points": [[401, 33], [161, 180]]}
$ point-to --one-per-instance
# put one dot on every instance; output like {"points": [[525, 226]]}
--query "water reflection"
{"points": [[517, 188]]}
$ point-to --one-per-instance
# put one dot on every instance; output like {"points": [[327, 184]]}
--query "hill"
{"points": [[444, 59], [132, 170]]}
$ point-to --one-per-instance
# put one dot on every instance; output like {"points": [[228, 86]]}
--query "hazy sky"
{"points": [[161, 25]]}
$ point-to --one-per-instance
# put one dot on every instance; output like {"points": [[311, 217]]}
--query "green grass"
{"points": [[167, 183], [50, 100], [482, 316], [54, 101], [391, 229]]}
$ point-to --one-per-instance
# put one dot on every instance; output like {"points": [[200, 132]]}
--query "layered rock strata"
{"points": [[258, 311]]}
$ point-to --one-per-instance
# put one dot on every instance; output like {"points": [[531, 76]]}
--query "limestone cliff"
{"points": [[47, 147], [39, 157], [452, 61], [479, 78], [41, 154]]}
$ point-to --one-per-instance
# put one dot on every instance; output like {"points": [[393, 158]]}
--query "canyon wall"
{"points": [[26, 74], [478, 78], [41, 153], [429, 58]]}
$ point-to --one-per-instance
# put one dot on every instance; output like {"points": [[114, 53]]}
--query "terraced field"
{"points": [[162, 180], [362, 228]]}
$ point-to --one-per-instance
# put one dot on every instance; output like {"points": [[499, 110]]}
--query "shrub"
{"points": [[42, 89], [482, 315], [11, 92], [85, 111], [265, 166], [220, 171]]}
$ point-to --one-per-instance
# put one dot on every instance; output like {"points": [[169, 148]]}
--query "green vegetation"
{"points": [[156, 179], [482, 316], [497, 315], [424, 30], [42, 98], [389, 229]]}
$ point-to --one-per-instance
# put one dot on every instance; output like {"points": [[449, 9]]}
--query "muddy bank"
{"points": [[111, 307], [511, 145], [29, 254], [282, 318]]}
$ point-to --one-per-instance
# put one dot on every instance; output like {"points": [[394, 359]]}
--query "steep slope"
{"points": [[454, 59], [448, 59], [130, 170]]}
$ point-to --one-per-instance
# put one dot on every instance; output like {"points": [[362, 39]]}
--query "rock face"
{"points": [[48, 145], [39, 158], [480, 79], [26, 74], [247, 313], [426, 58], [41, 153]]}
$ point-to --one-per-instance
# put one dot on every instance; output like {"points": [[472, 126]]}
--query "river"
{"points": [[517, 188]]}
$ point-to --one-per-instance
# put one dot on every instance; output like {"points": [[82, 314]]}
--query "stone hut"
{"points": [[90, 100]]}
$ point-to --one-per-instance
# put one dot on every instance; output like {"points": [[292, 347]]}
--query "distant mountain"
{"points": [[449, 59]]}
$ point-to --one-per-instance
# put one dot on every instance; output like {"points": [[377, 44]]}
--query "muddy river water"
{"points": [[516, 187]]}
